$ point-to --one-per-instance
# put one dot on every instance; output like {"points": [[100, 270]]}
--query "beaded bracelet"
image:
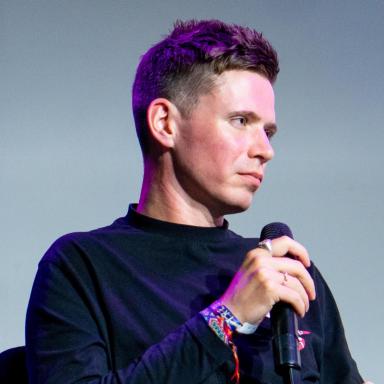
{"points": [[223, 322]]}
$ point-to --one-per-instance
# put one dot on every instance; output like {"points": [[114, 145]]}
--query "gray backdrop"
{"points": [[69, 159]]}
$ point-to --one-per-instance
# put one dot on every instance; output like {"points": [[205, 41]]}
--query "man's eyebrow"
{"points": [[254, 117]]}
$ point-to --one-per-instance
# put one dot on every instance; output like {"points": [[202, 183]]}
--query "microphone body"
{"points": [[283, 317]]}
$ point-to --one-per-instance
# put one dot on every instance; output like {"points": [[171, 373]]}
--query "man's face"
{"points": [[222, 148]]}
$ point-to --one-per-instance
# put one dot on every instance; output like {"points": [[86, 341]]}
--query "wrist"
{"points": [[226, 313], [223, 323], [231, 317], [221, 320], [235, 310]]}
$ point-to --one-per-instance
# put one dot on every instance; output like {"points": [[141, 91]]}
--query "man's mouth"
{"points": [[253, 177]]}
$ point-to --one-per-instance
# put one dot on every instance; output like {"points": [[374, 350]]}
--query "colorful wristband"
{"points": [[232, 321], [223, 322]]}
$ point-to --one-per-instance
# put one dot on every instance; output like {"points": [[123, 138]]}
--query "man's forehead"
{"points": [[234, 76], [245, 90]]}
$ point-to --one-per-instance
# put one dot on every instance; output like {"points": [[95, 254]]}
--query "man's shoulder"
{"points": [[83, 242]]}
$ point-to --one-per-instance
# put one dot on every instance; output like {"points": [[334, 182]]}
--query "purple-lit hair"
{"points": [[186, 63]]}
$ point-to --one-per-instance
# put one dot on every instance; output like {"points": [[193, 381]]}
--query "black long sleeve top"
{"points": [[120, 304]]}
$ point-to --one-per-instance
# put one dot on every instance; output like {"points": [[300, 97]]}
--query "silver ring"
{"points": [[265, 244], [285, 275]]}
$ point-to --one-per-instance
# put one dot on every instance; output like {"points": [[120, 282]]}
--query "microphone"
{"points": [[284, 321]]}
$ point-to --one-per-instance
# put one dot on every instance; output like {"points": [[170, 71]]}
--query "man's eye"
{"points": [[270, 133], [240, 121]]}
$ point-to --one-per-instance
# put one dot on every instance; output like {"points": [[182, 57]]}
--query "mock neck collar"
{"points": [[155, 226]]}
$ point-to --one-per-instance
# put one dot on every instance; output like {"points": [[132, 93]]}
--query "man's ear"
{"points": [[161, 115]]}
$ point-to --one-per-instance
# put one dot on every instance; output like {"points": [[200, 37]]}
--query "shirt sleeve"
{"points": [[337, 365], [64, 342]]}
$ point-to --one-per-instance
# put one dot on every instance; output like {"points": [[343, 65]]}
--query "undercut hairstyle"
{"points": [[186, 63]]}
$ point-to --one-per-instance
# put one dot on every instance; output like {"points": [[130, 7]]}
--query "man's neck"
{"points": [[163, 199]]}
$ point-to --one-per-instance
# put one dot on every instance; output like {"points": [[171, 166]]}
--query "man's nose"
{"points": [[261, 147]]}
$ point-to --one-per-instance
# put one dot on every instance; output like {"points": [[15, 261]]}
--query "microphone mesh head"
{"points": [[275, 230]]}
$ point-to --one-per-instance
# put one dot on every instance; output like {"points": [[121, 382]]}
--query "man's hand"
{"points": [[264, 279]]}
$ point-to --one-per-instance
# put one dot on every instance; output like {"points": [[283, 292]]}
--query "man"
{"points": [[163, 295]]}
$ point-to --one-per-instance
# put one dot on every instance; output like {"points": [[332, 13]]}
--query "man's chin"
{"points": [[237, 207]]}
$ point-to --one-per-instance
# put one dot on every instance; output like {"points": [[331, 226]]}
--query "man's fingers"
{"points": [[294, 268], [294, 298], [294, 284], [290, 290], [281, 287], [267, 277], [284, 246]]}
